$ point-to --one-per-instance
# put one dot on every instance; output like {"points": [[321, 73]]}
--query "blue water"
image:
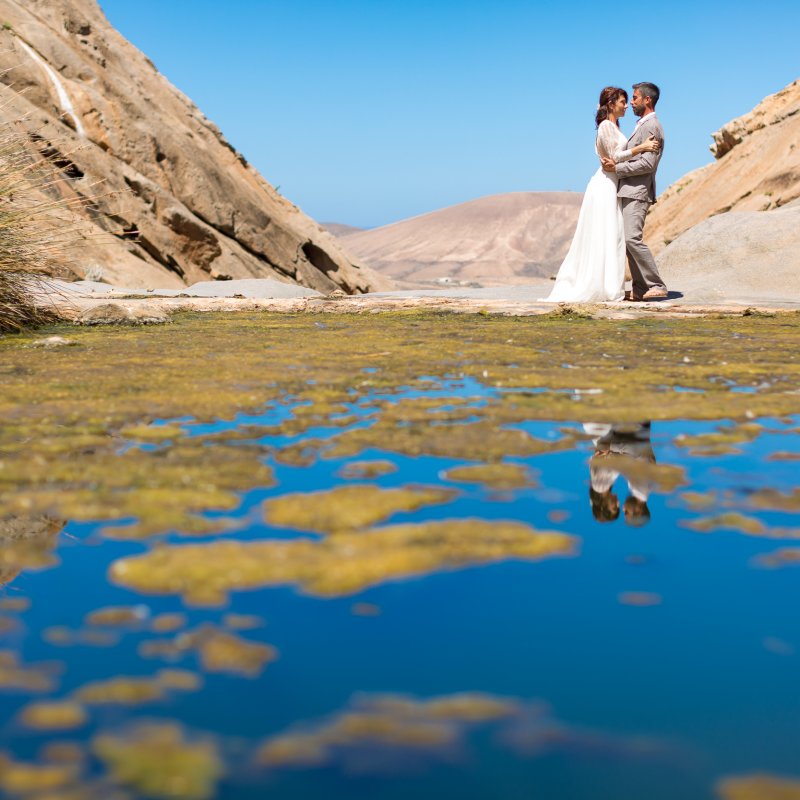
{"points": [[659, 701]]}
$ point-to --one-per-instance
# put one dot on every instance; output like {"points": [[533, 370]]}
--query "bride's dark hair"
{"points": [[608, 97]]}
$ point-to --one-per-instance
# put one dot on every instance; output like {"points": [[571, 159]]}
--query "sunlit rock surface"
{"points": [[177, 202], [757, 168]]}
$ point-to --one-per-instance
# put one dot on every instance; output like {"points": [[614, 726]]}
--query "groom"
{"points": [[637, 192]]}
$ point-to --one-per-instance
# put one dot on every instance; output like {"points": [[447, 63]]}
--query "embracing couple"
{"points": [[614, 207]]}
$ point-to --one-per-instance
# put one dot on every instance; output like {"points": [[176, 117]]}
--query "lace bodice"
{"points": [[611, 141]]}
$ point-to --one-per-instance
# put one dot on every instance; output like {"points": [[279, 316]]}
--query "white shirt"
{"points": [[642, 119]]}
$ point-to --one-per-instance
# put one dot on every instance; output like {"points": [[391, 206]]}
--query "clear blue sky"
{"points": [[369, 111]]}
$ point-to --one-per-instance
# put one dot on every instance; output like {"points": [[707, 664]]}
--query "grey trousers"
{"points": [[644, 272]]}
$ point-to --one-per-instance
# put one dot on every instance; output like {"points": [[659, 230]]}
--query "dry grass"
{"points": [[37, 224]]}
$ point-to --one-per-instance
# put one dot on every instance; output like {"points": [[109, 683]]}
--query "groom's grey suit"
{"points": [[637, 191]]}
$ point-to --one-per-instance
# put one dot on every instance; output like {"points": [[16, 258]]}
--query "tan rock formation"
{"points": [[743, 256], [182, 204], [502, 239], [757, 168]]}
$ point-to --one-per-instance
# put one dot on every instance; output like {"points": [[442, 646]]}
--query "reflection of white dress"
{"points": [[594, 269]]}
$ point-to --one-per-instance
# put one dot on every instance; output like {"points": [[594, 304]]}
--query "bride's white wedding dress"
{"points": [[594, 269]]}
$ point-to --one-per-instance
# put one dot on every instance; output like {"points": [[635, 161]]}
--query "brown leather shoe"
{"points": [[655, 293], [632, 296]]}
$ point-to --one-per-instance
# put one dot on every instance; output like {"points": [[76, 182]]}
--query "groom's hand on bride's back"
{"points": [[609, 165]]}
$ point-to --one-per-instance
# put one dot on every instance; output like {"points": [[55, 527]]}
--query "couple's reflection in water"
{"points": [[619, 448]]}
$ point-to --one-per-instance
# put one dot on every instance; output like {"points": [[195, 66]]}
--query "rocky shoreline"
{"points": [[89, 303]]}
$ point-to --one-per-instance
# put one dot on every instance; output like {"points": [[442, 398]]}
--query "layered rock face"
{"points": [[757, 169], [502, 239], [162, 198]]}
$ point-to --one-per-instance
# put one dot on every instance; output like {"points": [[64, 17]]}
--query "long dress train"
{"points": [[594, 268]]}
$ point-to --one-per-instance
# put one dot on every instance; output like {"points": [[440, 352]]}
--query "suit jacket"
{"points": [[637, 177]]}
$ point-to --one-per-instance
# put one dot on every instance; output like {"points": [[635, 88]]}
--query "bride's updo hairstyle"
{"points": [[608, 97]]}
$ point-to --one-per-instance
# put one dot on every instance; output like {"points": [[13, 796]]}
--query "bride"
{"points": [[594, 269]]}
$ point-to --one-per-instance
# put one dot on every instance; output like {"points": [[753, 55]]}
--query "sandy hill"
{"points": [[184, 205], [338, 229], [757, 168], [501, 239]]}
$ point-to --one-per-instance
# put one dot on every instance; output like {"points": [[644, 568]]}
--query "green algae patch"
{"points": [[168, 622], [484, 440], [337, 566], [640, 599], [218, 650], [785, 557], [466, 707], [61, 636], [243, 622], [730, 521], [349, 507], [721, 442], [121, 691], [163, 490], [758, 787], [54, 716], [133, 691], [14, 604], [783, 456], [152, 434], [386, 721], [160, 761], [367, 470], [502, 477], [15, 675], [25, 778], [773, 500], [699, 501], [221, 651], [81, 438], [118, 616]]}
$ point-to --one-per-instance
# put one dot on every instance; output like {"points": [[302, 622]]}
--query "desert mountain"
{"points": [[181, 204], [338, 229], [757, 168], [501, 239]]}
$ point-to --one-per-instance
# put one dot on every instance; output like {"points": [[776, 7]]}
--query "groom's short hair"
{"points": [[648, 90]]}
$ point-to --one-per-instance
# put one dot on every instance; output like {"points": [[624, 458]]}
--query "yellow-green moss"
{"points": [[392, 721], [339, 565], [117, 616], [158, 760], [24, 677], [366, 470], [21, 778], [730, 520], [218, 650], [348, 507], [54, 715], [66, 416], [759, 787], [494, 476]]}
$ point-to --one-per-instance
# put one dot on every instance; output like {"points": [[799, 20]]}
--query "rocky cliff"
{"points": [[757, 168], [164, 200], [501, 239]]}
